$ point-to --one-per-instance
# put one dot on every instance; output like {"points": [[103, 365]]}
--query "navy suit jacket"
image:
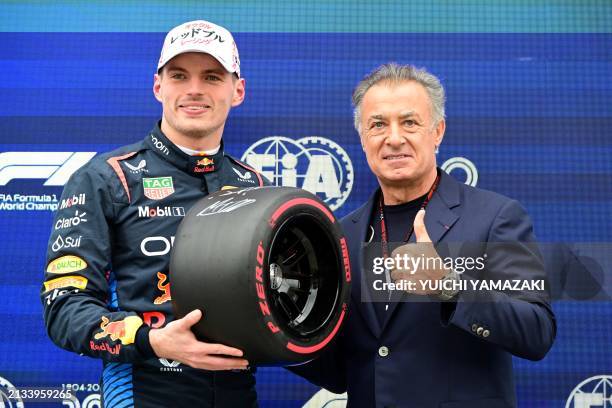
{"points": [[436, 353]]}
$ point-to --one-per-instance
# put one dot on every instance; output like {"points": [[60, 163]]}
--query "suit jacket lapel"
{"points": [[360, 222]]}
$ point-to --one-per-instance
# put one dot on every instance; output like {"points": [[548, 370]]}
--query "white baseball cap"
{"points": [[201, 36]]}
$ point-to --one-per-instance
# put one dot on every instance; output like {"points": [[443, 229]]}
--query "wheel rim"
{"points": [[303, 275]]}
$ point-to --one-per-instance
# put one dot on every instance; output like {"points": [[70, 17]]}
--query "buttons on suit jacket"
{"points": [[383, 351], [480, 330]]}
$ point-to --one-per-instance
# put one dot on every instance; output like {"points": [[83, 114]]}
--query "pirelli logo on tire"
{"points": [[261, 290]]}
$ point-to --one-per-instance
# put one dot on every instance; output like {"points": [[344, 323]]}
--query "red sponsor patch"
{"points": [[154, 320]]}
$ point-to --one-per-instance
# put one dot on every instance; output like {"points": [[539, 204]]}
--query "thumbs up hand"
{"points": [[420, 232], [428, 267]]}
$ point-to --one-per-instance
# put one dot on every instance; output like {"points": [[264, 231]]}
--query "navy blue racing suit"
{"points": [[106, 279]]}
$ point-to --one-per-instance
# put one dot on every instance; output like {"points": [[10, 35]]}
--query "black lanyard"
{"points": [[383, 225]]}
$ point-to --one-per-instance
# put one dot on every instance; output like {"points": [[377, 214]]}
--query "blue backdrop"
{"points": [[529, 105]]}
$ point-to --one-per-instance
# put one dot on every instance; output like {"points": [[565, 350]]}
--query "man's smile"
{"points": [[194, 108]]}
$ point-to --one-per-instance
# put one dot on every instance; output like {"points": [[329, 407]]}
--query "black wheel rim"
{"points": [[303, 271]]}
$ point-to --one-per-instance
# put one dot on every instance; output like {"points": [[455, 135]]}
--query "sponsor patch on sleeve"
{"points": [[66, 281], [122, 330], [66, 264]]}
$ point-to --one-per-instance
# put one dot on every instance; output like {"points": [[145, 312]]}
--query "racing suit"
{"points": [[106, 280]]}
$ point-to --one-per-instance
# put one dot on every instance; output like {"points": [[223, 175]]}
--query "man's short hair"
{"points": [[394, 73]]}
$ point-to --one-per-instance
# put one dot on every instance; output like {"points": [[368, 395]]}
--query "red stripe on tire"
{"points": [[297, 201], [307, 350]]}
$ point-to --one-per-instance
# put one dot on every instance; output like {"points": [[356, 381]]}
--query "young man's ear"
{"points": [[157, 86], [239, 92]]}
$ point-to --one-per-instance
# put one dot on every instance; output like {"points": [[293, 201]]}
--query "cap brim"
{"points": [[227, 67]]}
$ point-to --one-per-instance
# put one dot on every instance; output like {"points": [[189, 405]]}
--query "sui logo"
{"points": [[591, 393], [314, 163]]}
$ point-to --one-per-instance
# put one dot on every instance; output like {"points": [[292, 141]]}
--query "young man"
{"points": [[106, 292], [433, 345]]}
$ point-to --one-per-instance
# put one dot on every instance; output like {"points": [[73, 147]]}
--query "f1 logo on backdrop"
{"points": [[314, 163], [55, 167]]}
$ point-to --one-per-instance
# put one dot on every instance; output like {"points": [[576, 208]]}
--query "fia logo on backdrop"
{"points": [[591, 393], [314, 163]]}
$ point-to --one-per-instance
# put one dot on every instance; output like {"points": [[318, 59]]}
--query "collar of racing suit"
{"points": [[197, 166]]}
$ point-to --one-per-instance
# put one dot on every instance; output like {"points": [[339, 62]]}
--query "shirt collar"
{"points": [[196, 165]]}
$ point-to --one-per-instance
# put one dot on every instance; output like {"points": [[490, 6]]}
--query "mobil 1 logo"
{"points": [[145, 211]]}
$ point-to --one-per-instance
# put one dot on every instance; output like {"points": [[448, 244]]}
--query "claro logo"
{"points": [[156, 246], [55, 167]]}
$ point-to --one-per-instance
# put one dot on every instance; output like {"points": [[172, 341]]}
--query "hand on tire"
{"points": [[177, 342]]}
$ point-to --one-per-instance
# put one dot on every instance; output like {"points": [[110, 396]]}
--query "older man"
{"points": [[425, 334]]}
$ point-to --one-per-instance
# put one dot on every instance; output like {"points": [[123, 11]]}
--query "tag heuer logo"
{"points": [[158, 187]]}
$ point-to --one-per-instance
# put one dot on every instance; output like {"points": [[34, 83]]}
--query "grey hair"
{"points": [[395, 73]]}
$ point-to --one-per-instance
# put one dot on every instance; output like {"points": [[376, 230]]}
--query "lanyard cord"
{"points": [[383, 226]]}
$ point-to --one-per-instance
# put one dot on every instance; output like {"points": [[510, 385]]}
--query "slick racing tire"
{"points": [[268, 267]]}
